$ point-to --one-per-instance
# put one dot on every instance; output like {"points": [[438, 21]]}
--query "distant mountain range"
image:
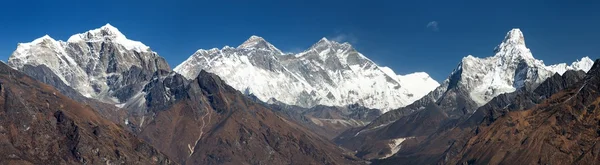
{"points": [[253, 104]]}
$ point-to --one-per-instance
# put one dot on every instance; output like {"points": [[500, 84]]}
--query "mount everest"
{"points": [[328, 73]]}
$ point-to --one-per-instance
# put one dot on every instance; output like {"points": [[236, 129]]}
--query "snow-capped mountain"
{"points": [[101, 63], [584, 64], [475, 81], [511, 68], [473, 84], [328, 73]]}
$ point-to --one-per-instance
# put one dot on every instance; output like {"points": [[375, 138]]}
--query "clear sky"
{"points": [[408, 36]]}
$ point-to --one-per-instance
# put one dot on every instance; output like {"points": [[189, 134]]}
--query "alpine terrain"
{"points": [[254, 104], [471, 85], [328, 73], [201, 120]]}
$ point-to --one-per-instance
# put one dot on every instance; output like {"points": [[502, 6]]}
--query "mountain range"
{"points": [[328, 73], [193, 121], [254, 104]]}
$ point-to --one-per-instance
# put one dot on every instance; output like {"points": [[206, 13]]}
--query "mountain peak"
{"points": [[324, 40], [108, 33], [42, 39], [325, 43], [513, 46], [253, 41], [111, 30], [255, 37], [515, 36], [256, 42]]}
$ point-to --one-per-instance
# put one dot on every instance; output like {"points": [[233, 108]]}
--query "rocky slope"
{"points": [[471, 85], [446, 142], [208, 122], [39, 125], [328, 73]]}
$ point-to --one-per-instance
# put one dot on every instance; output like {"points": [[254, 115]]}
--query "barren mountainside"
{"points": [[39, 125], [212, 123]]}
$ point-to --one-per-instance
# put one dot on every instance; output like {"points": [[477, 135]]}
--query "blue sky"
{"points": [[391, 33]]}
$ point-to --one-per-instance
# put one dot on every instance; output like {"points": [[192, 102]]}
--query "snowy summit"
{"points": [[108, 33], [95, 63]]}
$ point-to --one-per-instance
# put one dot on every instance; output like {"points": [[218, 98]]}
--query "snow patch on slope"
{"points": [[395, 146]]}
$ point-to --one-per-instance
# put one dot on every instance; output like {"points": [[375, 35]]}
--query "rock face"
{"points": [[47, 76], [328, 73], [39, 125], [471, 85], [209, 122], [101, 64]]}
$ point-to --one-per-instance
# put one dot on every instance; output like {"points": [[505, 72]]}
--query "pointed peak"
{"points": [[106, 31], [324, 43], [111, 34], [259, 43], [324, 39], [254, 39], [42, 39], [46, 37], [513, 46], [111, 29], [515, 36], [108, 26]]}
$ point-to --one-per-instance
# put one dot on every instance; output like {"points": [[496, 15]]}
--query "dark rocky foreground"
{"points": [[39, 125]]}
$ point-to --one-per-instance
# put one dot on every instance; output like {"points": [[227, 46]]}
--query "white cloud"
{"points": [[342, 37], [433, 25]]}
